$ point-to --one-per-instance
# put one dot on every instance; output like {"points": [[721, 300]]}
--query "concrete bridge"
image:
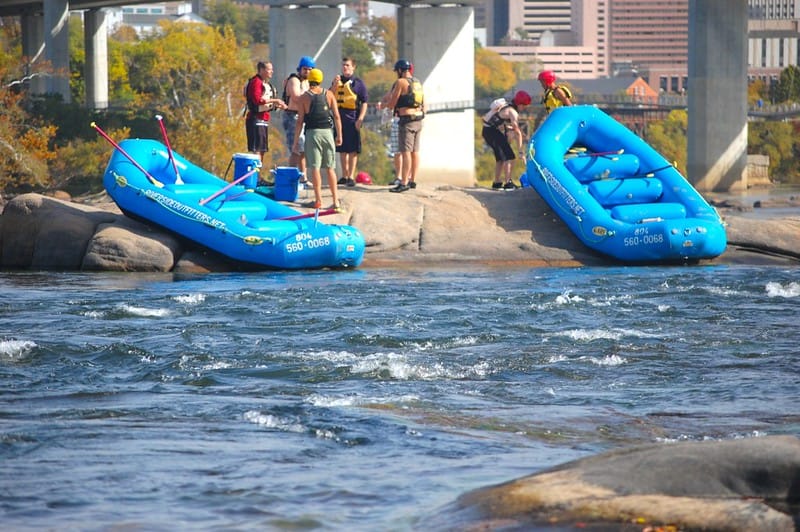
{"points": [[437, 36]]}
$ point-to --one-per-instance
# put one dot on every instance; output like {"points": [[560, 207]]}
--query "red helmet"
{"points": [[547, 76], [363, 178], [522, 98]]}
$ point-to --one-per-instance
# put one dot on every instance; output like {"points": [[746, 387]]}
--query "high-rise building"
{"points": [[773, 37], [651, 38], [773, 9], [510, 20]]}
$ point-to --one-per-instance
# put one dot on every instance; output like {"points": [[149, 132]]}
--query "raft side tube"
{"points": [[644, 212], [624, 191]]}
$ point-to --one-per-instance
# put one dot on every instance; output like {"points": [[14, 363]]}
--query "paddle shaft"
{"points": [[103, 134], [228, 186], [178, 179], [309, 215]]}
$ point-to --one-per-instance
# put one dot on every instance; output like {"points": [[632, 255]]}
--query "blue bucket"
{"points": [[243, 163], [286, 183]]}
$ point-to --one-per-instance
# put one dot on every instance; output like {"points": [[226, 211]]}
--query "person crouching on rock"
{"points": [[501, 130]]}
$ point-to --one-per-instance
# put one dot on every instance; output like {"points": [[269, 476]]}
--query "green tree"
{"points": [[777, 140], [787, 89], [360, 52], [256, 23], [668, 137]]}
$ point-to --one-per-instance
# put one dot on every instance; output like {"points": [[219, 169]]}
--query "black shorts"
{"points": [[257, 135], [351, 138], [499, 144]]}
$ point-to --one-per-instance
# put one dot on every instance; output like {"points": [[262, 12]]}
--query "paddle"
{"points": [[314, 214], [178, 180], [228, 186], [652, 173], [103, 134]]}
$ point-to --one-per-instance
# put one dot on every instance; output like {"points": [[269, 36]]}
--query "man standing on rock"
{"points": [[406, 98], [261, 99], [351, 96]]}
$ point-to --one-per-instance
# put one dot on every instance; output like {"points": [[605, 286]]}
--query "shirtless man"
{"points": [[293, 88]]}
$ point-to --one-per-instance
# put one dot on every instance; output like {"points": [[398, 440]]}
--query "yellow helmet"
{"points": [[315, 76]]}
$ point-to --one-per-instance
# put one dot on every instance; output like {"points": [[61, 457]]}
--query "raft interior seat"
{"points": [[626, 190], [588, 168], [648, 212]]}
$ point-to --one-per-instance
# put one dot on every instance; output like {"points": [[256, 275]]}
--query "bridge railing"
{"points": [[613, 101]]}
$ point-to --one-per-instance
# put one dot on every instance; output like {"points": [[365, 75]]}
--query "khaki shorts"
{"points": [[408, 135], [320, 148]]}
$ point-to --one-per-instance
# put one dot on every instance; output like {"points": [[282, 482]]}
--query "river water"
{"points": [[367, 399]]}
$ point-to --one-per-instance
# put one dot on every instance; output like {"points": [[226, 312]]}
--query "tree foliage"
{"points": [[360, 52], [668, 137], [787, 89], [779, 141], [494, 76], [25, 141]]}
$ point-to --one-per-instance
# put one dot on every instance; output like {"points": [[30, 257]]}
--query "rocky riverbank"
{"points": [[430, 225]]}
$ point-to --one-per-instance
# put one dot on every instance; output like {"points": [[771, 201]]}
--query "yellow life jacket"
{"points": [[549, 99], [345, 97]]}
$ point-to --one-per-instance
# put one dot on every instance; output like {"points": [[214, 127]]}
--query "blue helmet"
{"points": [[306, 61], [402, 65]]}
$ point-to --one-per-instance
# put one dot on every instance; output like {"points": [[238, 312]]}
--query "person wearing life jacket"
{"points": [[351, 96], [294, 87], [554, 95], [502, 133], [319, 113], [261, 98], [407, 99]]}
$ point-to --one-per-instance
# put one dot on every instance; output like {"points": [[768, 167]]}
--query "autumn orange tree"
{"points": [[25, 142]]}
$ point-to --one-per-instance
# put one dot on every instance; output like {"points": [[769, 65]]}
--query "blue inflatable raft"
{"points": [[146, 183], [616, 193]]}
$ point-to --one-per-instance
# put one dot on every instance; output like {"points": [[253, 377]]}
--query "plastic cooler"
{"points": [[287, 179], [243, 163]]}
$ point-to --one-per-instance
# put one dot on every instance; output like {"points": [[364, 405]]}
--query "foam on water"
{"points": [[15, 349], [787, 290]]}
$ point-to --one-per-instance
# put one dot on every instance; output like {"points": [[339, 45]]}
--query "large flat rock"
{"points": [[432, 224]]}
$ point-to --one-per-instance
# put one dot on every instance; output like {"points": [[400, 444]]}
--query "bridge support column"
{"points": [[439, 42], [312, 31], [33, 50], [95, 31], [56, 47], [717, 132]]}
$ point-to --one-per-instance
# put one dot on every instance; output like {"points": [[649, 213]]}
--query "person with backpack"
{"points": [[554, 95], [318, 112], [261, 97], [500, 130], [407, 99]]}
